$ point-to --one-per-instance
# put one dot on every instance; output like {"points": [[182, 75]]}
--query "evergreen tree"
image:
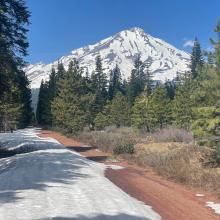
{"points": [[183, 104], [196, 59], [70, 106], [160, 106], [99, 85], [43, 109], [170, 89], [149, 80], [120, 111], [142, 115], [14, 17], [115, 84], [137, 81], [216, 45]]}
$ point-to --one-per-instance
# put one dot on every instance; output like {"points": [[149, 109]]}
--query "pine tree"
{"points": [[207, 98], [119, 110], [115, 84], [170, 89], [25, 100], [70, 106], [160, 106], [183, 105], [137, 81], [196, 59], [142, 115], [43, 109], [99, 85], [149, 80], [14, 18]]}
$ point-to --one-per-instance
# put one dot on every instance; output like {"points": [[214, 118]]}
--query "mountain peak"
{"points": [[121, 49], [136, 29]]}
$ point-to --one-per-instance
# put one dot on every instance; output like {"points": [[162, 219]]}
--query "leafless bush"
{"points": [[109, 139], [182, 162], [185, 165], [172, 135]]}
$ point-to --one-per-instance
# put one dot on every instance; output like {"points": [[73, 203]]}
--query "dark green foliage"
{"points": [[115, 83], [150, 112], [206, 124], [99, 87], [160, 107], [182, 105], [170, 89], [125, 148], [70, 108], [149, 80], [116, 112], [43, 110], [137, 81], [196, 59], [141, 113], [14, 87]]}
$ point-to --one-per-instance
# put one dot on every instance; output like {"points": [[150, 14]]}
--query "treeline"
{"points": [[15, 95], [72, 100]]}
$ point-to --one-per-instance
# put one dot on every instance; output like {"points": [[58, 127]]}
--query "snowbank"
{"points": [[55, 183]]}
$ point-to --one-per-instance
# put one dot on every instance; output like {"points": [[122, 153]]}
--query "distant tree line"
{"points": [[71, 100], [15, 94]]}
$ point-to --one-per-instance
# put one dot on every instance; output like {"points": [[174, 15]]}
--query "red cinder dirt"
{"points": [[171, 200]]}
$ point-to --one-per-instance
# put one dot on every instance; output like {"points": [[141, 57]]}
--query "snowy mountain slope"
{"points": [[165, 60], [55, 183]]}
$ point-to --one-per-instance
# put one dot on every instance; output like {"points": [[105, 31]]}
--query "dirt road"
{"points": [[171, 200]]}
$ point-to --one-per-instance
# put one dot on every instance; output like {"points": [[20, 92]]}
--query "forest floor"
{"points": [[171, 200]]}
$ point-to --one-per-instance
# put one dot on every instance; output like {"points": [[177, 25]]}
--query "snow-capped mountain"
{"points": [[165, 60]]}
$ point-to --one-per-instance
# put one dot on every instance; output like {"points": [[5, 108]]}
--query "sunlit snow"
{"points": [[214, 206], [51, 182]]}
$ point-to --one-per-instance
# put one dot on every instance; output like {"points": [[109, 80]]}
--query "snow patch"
{"points": [[214, 206], [114, 167], [56, 182], [200, 195]]}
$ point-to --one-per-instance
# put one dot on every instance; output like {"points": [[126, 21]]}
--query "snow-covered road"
{"points": [[55, 183]]}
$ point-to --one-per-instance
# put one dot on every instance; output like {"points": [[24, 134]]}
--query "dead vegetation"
{"points": [[171, 153]]}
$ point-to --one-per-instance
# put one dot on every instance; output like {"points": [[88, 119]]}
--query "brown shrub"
{"points": [[172, 135], [109, 139], [186, 164], [171, 156]]}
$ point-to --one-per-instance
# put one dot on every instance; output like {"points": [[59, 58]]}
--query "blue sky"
{"points": [[59, 26]]}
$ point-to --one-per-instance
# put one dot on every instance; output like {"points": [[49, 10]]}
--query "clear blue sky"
{"points": [[59, 26]]}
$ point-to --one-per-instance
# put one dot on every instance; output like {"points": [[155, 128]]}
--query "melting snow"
{"points": [[114, 167], [53, 182], [214, 206], [199, 195]]}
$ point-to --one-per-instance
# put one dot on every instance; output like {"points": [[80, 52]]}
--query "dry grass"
{"points": [[172, 135], [184, 163], [171, 153], [109, 139]]}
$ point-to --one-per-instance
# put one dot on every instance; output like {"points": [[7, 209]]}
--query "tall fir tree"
{"points": [[207, 98], [14, 18], [70, 106], [182, 105], [99, 85], [196, 59], [141, 113], [115, 83], [120, 110], [137, 80], [160, 106], [149, 79], [43, 110]]}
